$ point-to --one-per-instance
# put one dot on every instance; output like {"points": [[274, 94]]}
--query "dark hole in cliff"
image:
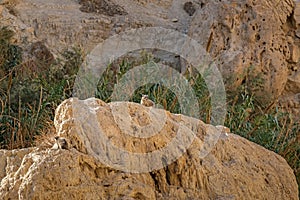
{"points": [[101, 7], [257, 37], [168, 176], [139, 195], [202, 5], [227, 40], [12, 11], [267, 181], [189, 8], [244, 81], [290, 21], [154, 178]]}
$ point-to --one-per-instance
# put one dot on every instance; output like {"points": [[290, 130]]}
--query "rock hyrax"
{"points": [[60, 143], [146, 101]]}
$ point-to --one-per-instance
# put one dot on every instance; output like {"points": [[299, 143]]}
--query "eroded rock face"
{"points": [[234, 168], [249, 41]]}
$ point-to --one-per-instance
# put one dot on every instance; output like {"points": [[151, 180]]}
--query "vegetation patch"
{"points": [[31, 90]]}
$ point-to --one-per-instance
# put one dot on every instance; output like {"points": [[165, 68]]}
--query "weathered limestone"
{"points": [[234, 168]]}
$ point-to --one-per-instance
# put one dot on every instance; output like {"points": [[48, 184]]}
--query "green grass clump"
{"points": [[11, 55], [164, 97], [269, 126], [114, 72], [30, 92]]}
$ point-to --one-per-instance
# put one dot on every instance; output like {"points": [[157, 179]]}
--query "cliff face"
{"points": [[251, 39], [210, 163], [256, 42]]}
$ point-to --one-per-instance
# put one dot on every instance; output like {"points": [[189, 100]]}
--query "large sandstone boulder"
{"points": [[215, 165]]}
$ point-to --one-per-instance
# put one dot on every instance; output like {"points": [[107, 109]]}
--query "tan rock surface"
{"points": [[248, 39], [234, 168]]}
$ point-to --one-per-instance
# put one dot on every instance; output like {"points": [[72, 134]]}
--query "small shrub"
{"points": [[269, 126], [31, 90]]}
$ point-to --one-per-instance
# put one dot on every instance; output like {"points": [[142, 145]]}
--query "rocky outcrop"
{"points": [[253, 42], [290, 99], [229, 167]]}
